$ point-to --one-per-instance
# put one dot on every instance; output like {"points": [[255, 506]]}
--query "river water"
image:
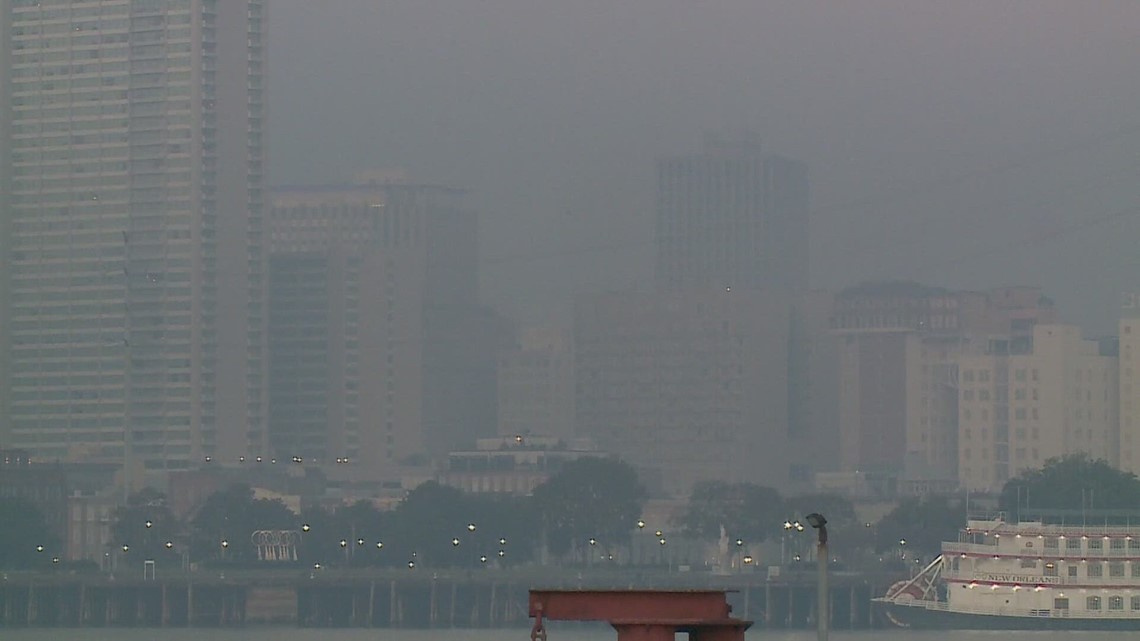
{"points": [[516, 634]]}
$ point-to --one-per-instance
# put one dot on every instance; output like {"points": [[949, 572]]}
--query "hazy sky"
{"points": [[963, 143]]}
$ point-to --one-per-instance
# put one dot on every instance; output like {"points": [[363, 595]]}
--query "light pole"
{"points": [[784, 543], [823, 607], [640, 545], [471, 531]]}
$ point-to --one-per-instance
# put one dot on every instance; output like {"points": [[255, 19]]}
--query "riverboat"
{"points": [[1057, 570]]}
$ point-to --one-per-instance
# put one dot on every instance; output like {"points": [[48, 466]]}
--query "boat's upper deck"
{"points": [[1056, 534]]}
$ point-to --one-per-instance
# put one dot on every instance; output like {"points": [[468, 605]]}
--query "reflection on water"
{"points": [[516, 634]]}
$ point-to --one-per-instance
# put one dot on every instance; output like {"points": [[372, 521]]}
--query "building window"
{"points": [[1136, 603], [1072, 571], [1092, 603], [1115, 569], [1115, 603], [1073, 544], [1062, 603], [1050, 569], [1096, 569], [1051, 542]]}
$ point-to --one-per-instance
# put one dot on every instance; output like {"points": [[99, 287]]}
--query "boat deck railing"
{"points": [[1006, 611]]}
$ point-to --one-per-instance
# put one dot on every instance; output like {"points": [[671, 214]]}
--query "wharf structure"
{"points": [[391, 599]]}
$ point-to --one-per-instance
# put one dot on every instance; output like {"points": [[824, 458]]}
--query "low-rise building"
{"points": [[513, 465]]}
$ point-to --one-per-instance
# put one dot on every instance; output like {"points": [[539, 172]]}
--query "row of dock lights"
{"points": [[340, 460]]}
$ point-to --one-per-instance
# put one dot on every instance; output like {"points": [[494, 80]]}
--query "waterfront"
{"points": [[556, 633]]}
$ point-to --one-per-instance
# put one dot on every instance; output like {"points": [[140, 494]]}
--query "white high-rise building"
{"points": [[1037, 399], [132, 164]]}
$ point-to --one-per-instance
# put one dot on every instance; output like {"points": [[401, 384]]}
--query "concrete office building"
{"points": [[1130, 383], [690, 384], [377, 342], [1026, 401], [131, 170], [536, 384], [898, 349]]}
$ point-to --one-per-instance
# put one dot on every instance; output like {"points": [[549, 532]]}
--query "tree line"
{"points": [[590, 501]]}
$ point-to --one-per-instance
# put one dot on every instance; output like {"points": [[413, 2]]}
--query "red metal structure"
{"points": [[641, 615]]}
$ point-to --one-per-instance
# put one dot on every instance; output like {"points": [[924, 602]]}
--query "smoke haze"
{"points": [[964, 144]]}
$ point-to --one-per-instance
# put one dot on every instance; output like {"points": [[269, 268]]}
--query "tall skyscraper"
{"points": [[378, 349], [732, 216], [132, 161]]}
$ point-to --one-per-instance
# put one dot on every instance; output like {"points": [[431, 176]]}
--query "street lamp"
{"points": [[471, 531], [823, 608]]}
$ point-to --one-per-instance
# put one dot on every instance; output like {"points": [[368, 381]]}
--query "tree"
{"points": [[25, 540], [224, 524], [745, 510], [145, 524], [589, 498], [428, 519], [1074, 482], [923, 523]]}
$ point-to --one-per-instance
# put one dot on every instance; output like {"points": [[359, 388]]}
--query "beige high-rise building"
{"points": [[1026, 401], [536, 384], [131, 171], [690, 384], [1130, 383], [379, 351]]}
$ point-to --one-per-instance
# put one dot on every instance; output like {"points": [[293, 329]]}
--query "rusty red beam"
{"points": [[629, 605]]}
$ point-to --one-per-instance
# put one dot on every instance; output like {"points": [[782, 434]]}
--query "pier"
{"points": [[394, 599]]}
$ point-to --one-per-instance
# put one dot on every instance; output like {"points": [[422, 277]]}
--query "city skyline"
{"points": [[158, 314]]}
